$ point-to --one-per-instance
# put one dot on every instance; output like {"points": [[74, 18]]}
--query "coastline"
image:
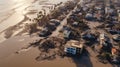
{"points": [[24, 17], [19, 42], [22, 44]]}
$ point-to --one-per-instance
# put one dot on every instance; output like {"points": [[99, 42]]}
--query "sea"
{"points": [[12, 11]]}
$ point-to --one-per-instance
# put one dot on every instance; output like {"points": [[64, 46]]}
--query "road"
{"points": [[16, 43], [64, 22]]}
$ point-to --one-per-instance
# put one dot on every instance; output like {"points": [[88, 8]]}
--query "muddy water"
{"points": [[9, 58], [27, 59]]}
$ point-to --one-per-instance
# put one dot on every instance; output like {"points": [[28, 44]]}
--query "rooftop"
{"points": [[74, 43]]}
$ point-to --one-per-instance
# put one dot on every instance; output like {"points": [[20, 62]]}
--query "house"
{"points": [[110, 11], [73, 47], [119, 15], [105, 42], [55, 22], [66, 33], [89, 37], [107, 8], [98, 8], [75, 24], [113, 31], [102, 38], [116, 38], [89, 16], [85, 8], [51, 26]]}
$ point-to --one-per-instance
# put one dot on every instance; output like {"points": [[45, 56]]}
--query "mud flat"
{"points": [[27, 58]]}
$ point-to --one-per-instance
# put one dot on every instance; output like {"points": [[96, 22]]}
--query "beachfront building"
{"points": [[73, 47]]}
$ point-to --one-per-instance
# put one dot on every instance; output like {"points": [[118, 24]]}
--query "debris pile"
{"points": [[50, 48]]}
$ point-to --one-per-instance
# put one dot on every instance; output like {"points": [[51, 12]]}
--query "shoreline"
{"points": [[26, 17], [25, 46]]}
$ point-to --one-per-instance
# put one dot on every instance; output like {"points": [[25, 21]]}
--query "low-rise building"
{"points": [[89, 16], [66, 33], [102, 38], [73, 47], [119, 16]]}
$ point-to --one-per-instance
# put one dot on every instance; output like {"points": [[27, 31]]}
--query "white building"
{"points": [[119, 15], [102, 38], [73, 47]]}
